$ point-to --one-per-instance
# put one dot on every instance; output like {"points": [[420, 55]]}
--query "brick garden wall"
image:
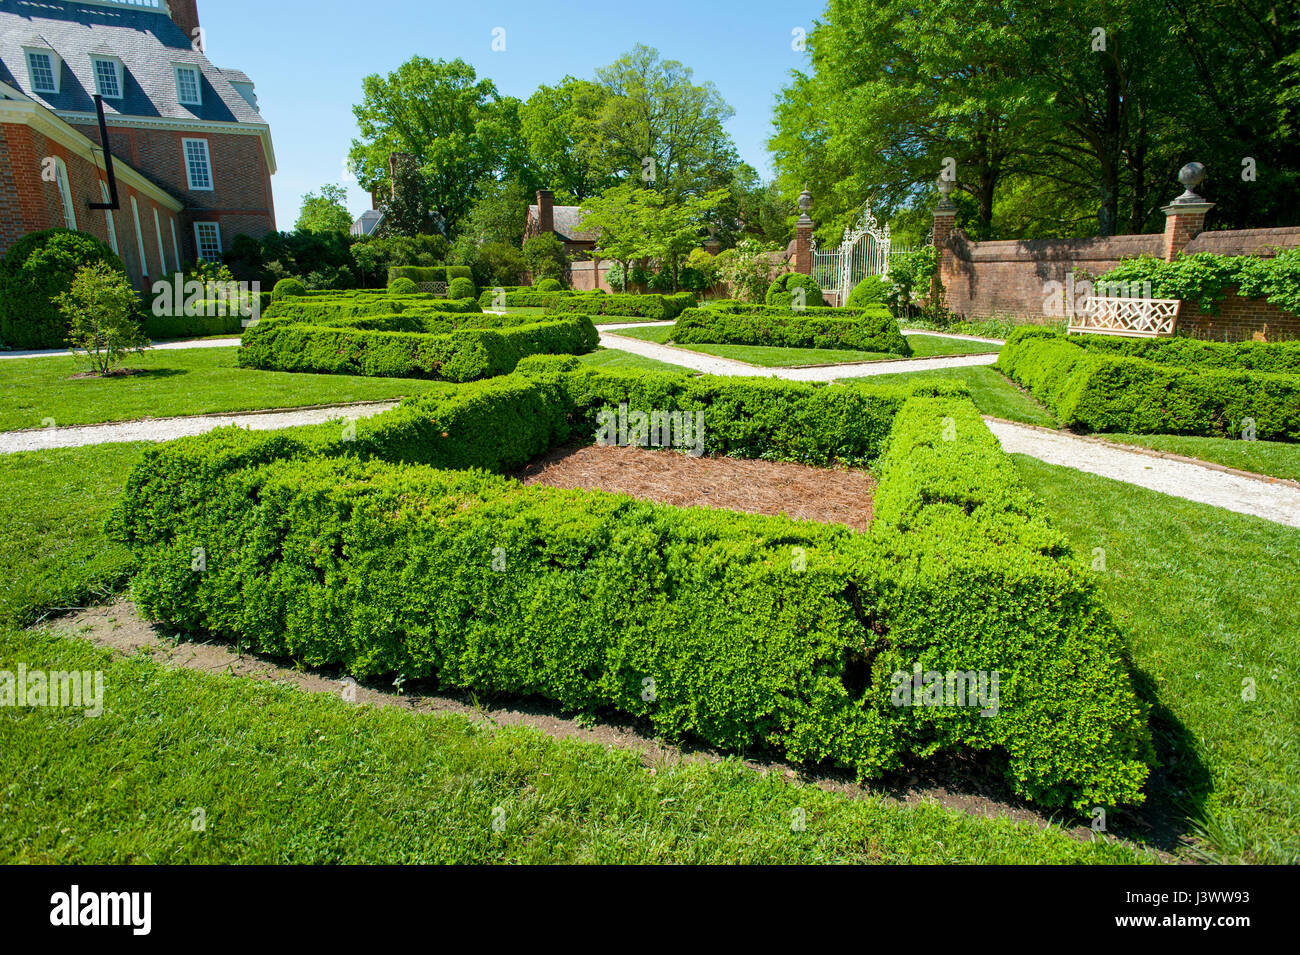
{"points": [[1239, 319]]}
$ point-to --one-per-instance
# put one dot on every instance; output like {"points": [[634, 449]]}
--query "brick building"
{"points": [[192, 155], [564, 221]]}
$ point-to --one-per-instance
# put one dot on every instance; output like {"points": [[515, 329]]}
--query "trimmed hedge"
{"points": [[1093, 389], [459, 354], [314, 309], [316, 551], [288, 288], [873, 290], [428, 273], [35, 270], [461, 288], [403, 286], [662, 307], [521, 298], [871, 330], [162, 327], [1279, 357], [780, 294]]}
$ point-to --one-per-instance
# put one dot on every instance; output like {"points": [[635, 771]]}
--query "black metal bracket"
{"points": [[108, 160]]}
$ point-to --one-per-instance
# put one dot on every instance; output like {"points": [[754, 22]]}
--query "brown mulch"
{"points": [[830, 496]]}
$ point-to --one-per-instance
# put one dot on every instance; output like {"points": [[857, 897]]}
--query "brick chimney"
{"points": [[185, 14], [545, 210]]}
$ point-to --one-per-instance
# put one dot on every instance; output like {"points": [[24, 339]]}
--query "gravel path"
{"points": [[165, 346], [164, 429], [712, 365], [1246, 495]]}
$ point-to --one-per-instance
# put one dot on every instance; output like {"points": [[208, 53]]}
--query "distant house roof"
{"points": [[147, 42], [368, 222], [567, 223]]}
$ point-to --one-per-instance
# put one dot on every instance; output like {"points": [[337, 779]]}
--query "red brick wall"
{"points": [[1239, 319]]}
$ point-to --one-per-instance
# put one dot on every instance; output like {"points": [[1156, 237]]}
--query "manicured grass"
{"points": [[283, 776], [992, 393], [612, 358], [175, 382], [1209, 599], [53, 550], [1274, 458], [659, 334], [927, 346]]}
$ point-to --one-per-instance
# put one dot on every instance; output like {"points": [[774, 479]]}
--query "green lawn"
{"points": [[175, 382], [1209, 599], [1274, 458], [926, 346], [991, 391], [53, 549], [612, 358], [286, 777]]}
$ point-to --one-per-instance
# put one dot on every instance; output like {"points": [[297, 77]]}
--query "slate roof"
{"points": [[146, 41], [567, 219]]}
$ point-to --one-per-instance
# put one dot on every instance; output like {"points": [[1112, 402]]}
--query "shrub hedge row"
{"points": [[162, 327], [460, 354], [315, 309], [871, 330], [520, 298], [1100, 391], [1279, 357], [661, 307], [752, 631], [429, 273]]}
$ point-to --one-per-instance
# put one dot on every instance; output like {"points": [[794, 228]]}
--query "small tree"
{"points": [[544, 255], [103, 315], [745, 271], [327, 212]]}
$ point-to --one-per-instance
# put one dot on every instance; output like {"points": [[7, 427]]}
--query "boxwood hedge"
{"points": [[1279, 357], [661, 307], [1097, 389], [749, 631], [873, 330], [315, 308]]}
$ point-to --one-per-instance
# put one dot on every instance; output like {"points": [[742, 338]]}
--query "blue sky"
{"points": [[308, 60]]}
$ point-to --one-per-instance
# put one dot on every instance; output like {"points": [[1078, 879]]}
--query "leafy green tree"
{"points": [[545, 257], [458, 129], [326, 211], [643, 224], [500, 215], [103, 315], [409, 209], [561, 127]]}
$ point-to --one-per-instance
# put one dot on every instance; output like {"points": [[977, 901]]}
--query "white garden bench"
{"points": [[1132, 317]]}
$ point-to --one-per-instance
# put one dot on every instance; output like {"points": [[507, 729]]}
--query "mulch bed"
{"points": [[827, 495]]}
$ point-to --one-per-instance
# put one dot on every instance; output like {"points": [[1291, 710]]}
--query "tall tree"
{"points": [[561, 128], [326, 212]]}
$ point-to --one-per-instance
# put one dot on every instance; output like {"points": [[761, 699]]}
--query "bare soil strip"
{"points": [[825, 495]]}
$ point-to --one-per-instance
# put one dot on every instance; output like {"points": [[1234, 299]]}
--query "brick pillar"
{"points": [[1185, 216], [945, 220], [803, 235]]}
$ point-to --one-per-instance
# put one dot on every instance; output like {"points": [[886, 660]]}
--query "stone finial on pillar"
{"points": [[803, 234], [945, 220], [1185, 216]]}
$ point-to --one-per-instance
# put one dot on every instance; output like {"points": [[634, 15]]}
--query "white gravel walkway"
{"points": [[165, 346], [1273, 501], [164, 429]]}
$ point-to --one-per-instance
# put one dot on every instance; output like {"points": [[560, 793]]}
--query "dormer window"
{"points": [[43, 69], [188, 89], [108, 77]]}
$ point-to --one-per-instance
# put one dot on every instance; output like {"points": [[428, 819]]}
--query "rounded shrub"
{"points": [[403, 286], [288, 288], [782, 294], [38, 268], [549, 285], [461, 288], [870, 291]]}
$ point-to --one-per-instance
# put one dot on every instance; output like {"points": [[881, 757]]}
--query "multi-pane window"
{"points": [[40, 67], [208, 238], [107, 81], [187, 86], [198, 167]]}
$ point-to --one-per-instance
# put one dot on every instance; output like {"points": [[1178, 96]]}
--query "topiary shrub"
{"points": [[37, 269], [288, 288], [403, 286], [784, 292], [461, 288], [870, 291], [549, 285]]}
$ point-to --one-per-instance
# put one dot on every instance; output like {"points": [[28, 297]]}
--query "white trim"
{"points": [[162, 252], [198, 241], [177, 69], [64, 185], [56, 68], [108, 215], [139, 240], [28, 112], [207, 160], [188, 125], [119, 74], [176, 246]]}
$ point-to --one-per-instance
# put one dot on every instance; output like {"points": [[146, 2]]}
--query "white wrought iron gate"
{"points": [[864, 250]]}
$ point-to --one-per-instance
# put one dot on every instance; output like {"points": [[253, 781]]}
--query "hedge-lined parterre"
{"points": [[872, 330], [661, 307], [742, 631], [420, 274], [1098, 389], [334, 305]]}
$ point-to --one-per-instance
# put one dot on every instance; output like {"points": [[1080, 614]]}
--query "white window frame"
{"points": [[198, 241], [119, 75], [176, 246], [56, 68], [108, 214], [139, 240], [162, 249], [178, 69], [207, 159], [64, 185]]}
